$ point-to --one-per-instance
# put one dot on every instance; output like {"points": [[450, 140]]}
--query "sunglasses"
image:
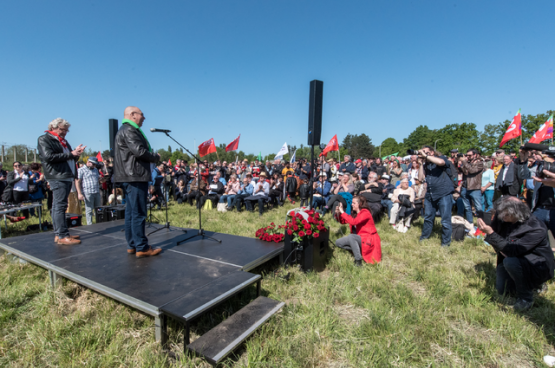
{"points": [[17, 165]]}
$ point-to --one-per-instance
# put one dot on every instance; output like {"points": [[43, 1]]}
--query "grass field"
{"points": [[423, 306]]}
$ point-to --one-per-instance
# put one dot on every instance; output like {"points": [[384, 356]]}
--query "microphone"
{"points": [[154, 130]]}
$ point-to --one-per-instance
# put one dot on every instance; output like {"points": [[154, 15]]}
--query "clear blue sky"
{"points": [[217, 69]]}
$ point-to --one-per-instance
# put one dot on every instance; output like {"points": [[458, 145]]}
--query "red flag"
{"points": [[170, 162], [332, 146], [233, 145], [545, 132], [206, 147], [514, 130], [99, 157]]}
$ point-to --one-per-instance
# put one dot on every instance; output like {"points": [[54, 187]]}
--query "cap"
{"points": [[323, 174], [263, 173], [94, 160], [358, 161], [385, 176], [455, 150]]}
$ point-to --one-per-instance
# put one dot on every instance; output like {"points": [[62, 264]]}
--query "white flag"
{"points": [[293, 157], [282, 152]]}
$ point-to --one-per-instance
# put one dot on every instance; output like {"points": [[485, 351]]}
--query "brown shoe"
{"points": [[71, 236], [68, 241], [150, 252], [131, 251]]}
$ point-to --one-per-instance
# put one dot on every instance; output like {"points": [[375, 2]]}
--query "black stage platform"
{"points": [[187, 279]]}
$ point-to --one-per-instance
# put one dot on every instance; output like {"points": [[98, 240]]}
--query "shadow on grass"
{"points": [[541, 314]]}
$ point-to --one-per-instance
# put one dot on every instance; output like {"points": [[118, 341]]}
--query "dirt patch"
{"points": [[350, 314]]}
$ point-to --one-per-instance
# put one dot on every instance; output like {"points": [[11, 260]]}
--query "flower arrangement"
{"points": [[271, 233], [301, 227]]}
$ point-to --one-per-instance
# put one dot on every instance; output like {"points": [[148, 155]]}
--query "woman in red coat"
{"points": [[364, 240]]}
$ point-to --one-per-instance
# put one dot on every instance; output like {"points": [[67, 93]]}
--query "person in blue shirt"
{"points": [[247, 188], [321, 191], [439, 196], [259, 194]]}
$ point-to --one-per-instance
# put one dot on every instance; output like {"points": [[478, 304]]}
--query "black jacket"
{"points": [[528, 241], [304, 191], [131, 156], [520, 172], [291, 184], [54, 160]]}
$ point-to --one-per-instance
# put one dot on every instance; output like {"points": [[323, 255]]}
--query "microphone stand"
{"points": [[167, 225], [201, 232]]}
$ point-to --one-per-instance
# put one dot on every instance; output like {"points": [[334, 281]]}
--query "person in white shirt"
{"points": [[403, 202], [259, 194]]}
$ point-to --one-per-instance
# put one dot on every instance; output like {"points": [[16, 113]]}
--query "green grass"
{"points": [[423, 306]]}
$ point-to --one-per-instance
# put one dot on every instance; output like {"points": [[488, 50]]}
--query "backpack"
{"points": [[458, 232]]}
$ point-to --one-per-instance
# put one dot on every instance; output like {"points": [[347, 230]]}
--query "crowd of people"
{"points": [[508, 196]]}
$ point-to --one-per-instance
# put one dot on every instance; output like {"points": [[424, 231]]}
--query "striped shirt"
{"points": [[89, 179]]}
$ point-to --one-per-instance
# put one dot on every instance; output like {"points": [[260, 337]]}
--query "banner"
{"points": [[207, 147], [99, 157], [293, 157], [332, 146], [545, 132], [514, 130], [393, 154], [282, 152], [234, 145]]}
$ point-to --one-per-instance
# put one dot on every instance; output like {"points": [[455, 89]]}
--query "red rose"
{"points": [[311, 220], [289, 232], [307, 226], [272, 224], [309, 232], [316, 215], [321, 223], [301, 233], [316, 235], [296, 228], [310, 212], [304, 222]]}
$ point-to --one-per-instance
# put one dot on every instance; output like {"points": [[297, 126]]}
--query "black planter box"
{"points": [[314, 253]]}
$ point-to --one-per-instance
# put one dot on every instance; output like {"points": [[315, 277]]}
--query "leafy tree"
{"points": [[358, 145], [421, 136], [388, 147], [488, 140], [462, 136]]}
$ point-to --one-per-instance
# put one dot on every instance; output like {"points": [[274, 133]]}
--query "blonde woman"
{"points": [[345, 185], [403, 201], [231, 189]]}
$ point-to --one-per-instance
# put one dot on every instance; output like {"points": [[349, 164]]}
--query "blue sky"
{"points": [[217, 69]]}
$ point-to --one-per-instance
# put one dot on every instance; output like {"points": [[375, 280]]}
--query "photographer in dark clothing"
{"points": [[439, 194], [544, 195], [512, 175], [524, 257]]}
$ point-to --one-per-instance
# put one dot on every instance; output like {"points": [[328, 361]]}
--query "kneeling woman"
{"points": [[364, 240]]}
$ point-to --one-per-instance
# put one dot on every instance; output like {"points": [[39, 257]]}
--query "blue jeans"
{"points": [[229, 197], [135, 215], [444, 206], [60, 193], [467, 196], [510, 279], [318, 202], [487, 200], [547, 217], [387, 204]]}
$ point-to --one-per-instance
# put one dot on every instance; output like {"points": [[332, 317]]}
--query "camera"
{"points": [[460, 155], [545, 165], [412, 152]]}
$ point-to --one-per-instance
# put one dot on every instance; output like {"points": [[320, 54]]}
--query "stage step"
{"points": [[217, 343]]}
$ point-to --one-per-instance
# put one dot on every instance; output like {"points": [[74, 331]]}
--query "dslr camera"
{"points": [[412, 152], [545, 165]]}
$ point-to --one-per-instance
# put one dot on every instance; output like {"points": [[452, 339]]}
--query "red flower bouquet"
{"points": [[271, 233], [301, 227]]}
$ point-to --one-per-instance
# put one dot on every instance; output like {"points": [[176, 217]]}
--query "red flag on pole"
{"points": [[514, 130], [170, 162], [234, 145], [99, 157], [545, 132], [332, 146], [206, 147]]}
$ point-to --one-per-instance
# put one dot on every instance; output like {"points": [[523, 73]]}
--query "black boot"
{"points": [[358, 263]]}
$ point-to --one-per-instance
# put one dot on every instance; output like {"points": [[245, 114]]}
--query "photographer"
{"points": [[524, 258], [472, 167], [439, 194], [544, 194]]}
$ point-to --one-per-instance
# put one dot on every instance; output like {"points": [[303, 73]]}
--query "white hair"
{"points": [[404, 175], [405, 179], [373, 175], [58, 123]]}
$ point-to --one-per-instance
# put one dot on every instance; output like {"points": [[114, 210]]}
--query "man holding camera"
{"points": [[544, 194], [439, 195], [472, 167]]}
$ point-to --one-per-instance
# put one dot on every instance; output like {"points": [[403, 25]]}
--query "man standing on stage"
{"points": [[132, 168], [88, 188], [60, 169]]}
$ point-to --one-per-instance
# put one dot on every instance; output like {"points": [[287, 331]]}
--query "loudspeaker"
{"points": [[113, 129], [313, 255], [73, 219], [315, 112]]}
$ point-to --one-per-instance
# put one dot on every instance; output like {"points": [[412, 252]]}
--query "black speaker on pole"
{"points": [[113, 129], [315, 112]]}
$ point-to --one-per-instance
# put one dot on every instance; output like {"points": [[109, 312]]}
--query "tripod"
{"points": [[201, 232]]}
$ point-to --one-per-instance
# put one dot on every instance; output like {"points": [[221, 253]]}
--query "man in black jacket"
{"points": [[60, 170], [524, 257], [132, 168]]}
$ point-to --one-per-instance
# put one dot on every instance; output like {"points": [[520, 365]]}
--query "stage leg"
{"points": [[258, 285], [161, 329], [55, 279]]}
